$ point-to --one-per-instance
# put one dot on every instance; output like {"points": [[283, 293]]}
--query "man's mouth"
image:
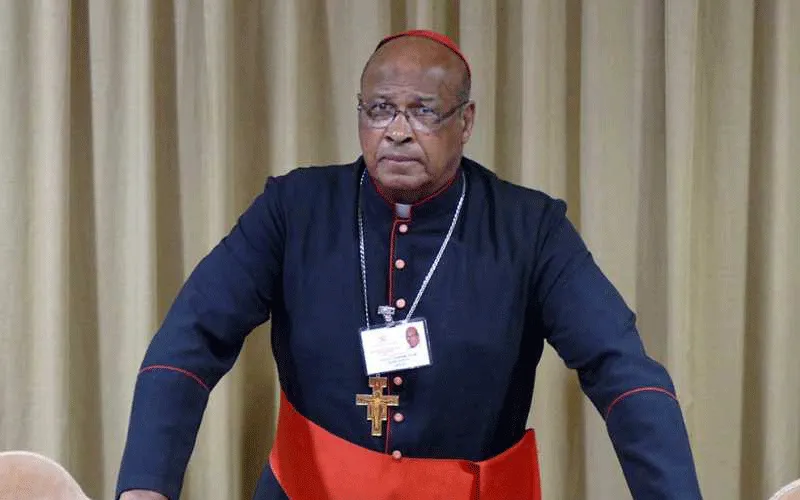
{"points": [[394, 158]]}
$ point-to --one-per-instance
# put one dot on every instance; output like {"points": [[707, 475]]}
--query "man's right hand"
{"points": [[142, 495]]}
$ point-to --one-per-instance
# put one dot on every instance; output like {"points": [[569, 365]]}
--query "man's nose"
{"points": [[399, 129]]}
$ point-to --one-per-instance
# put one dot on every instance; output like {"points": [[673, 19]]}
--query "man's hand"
{"points": [[142, 495]]}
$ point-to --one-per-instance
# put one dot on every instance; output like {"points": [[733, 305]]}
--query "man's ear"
{"points": [[468, 120]]}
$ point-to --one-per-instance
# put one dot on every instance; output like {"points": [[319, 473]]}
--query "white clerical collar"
{"points": [[402, 210]]}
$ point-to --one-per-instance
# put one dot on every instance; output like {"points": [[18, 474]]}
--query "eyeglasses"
{"points": [[421, 118]]}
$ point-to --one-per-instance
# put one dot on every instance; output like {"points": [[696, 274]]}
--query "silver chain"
{"points": [[362, 249]]}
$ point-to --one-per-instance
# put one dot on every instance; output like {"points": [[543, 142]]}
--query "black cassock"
{"points": [[514, 275]]}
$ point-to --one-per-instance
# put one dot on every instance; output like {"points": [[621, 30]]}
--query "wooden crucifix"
{"points": [[377, 403]]}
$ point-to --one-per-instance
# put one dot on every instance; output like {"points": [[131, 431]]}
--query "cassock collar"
{"points": [[441, 203]]}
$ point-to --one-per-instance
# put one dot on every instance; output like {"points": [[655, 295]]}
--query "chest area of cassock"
{"points": [[483, 344]]}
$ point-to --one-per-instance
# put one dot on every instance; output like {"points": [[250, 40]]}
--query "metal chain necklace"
{"points": [[388, 311]]}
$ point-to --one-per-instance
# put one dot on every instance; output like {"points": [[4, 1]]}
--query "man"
{"points": [[412, 337], [411, 232]]}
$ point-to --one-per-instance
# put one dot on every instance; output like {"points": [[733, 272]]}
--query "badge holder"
{"points": [[396, 346]]}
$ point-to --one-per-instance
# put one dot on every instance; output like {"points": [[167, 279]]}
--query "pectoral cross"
{"points": [[377, 403]]}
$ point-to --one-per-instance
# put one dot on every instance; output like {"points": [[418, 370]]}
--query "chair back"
{"points": [[789, 492], [28, 476]]}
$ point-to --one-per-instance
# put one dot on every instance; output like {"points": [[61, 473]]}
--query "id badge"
{"points": [[396, 346]]}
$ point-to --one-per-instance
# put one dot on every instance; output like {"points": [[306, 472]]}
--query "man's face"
{"points": [[412, 336], [420, 76]]}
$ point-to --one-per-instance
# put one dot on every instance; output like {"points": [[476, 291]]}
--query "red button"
{"points": [[398, 380], [397, 455], [403, 228], [400, 303], [399, 263], [398, 417]]}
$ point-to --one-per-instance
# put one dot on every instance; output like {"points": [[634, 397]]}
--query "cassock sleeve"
{"points": [[595, 333], [226, 296]]}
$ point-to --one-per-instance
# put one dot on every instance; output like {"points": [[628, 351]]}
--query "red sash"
{"points": [[310, 463]]}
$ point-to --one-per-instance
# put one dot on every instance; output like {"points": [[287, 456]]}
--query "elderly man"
{"points": [[344, 259]]}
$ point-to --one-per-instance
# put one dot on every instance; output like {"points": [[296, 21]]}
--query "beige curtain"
{"points": [[132, 132]]}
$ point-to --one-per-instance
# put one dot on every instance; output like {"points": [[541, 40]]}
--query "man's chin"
{"points": [[405, 183], [401, 174], [402, 188], [392, 168]]}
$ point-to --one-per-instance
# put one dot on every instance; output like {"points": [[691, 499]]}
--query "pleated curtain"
{"points": [[133, 132]]}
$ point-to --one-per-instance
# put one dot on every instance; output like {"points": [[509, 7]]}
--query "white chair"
{"points": [[30, 476], [789, 492]]}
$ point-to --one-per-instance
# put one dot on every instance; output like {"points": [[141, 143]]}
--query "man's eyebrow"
{"points": [[418, 98]]}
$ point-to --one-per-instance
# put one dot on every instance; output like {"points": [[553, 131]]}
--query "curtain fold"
{"points": [[132, 134]]}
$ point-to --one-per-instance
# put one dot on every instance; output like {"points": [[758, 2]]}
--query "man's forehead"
{"points": [[415, 52], [406, 94], [403, 72], [389, 76], [438, 38]]}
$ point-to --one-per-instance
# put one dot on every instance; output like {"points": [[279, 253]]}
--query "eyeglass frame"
{"points": [[412, 120]]}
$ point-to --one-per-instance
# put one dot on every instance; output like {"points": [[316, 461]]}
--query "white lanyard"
{"points": [[388, 311]]}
